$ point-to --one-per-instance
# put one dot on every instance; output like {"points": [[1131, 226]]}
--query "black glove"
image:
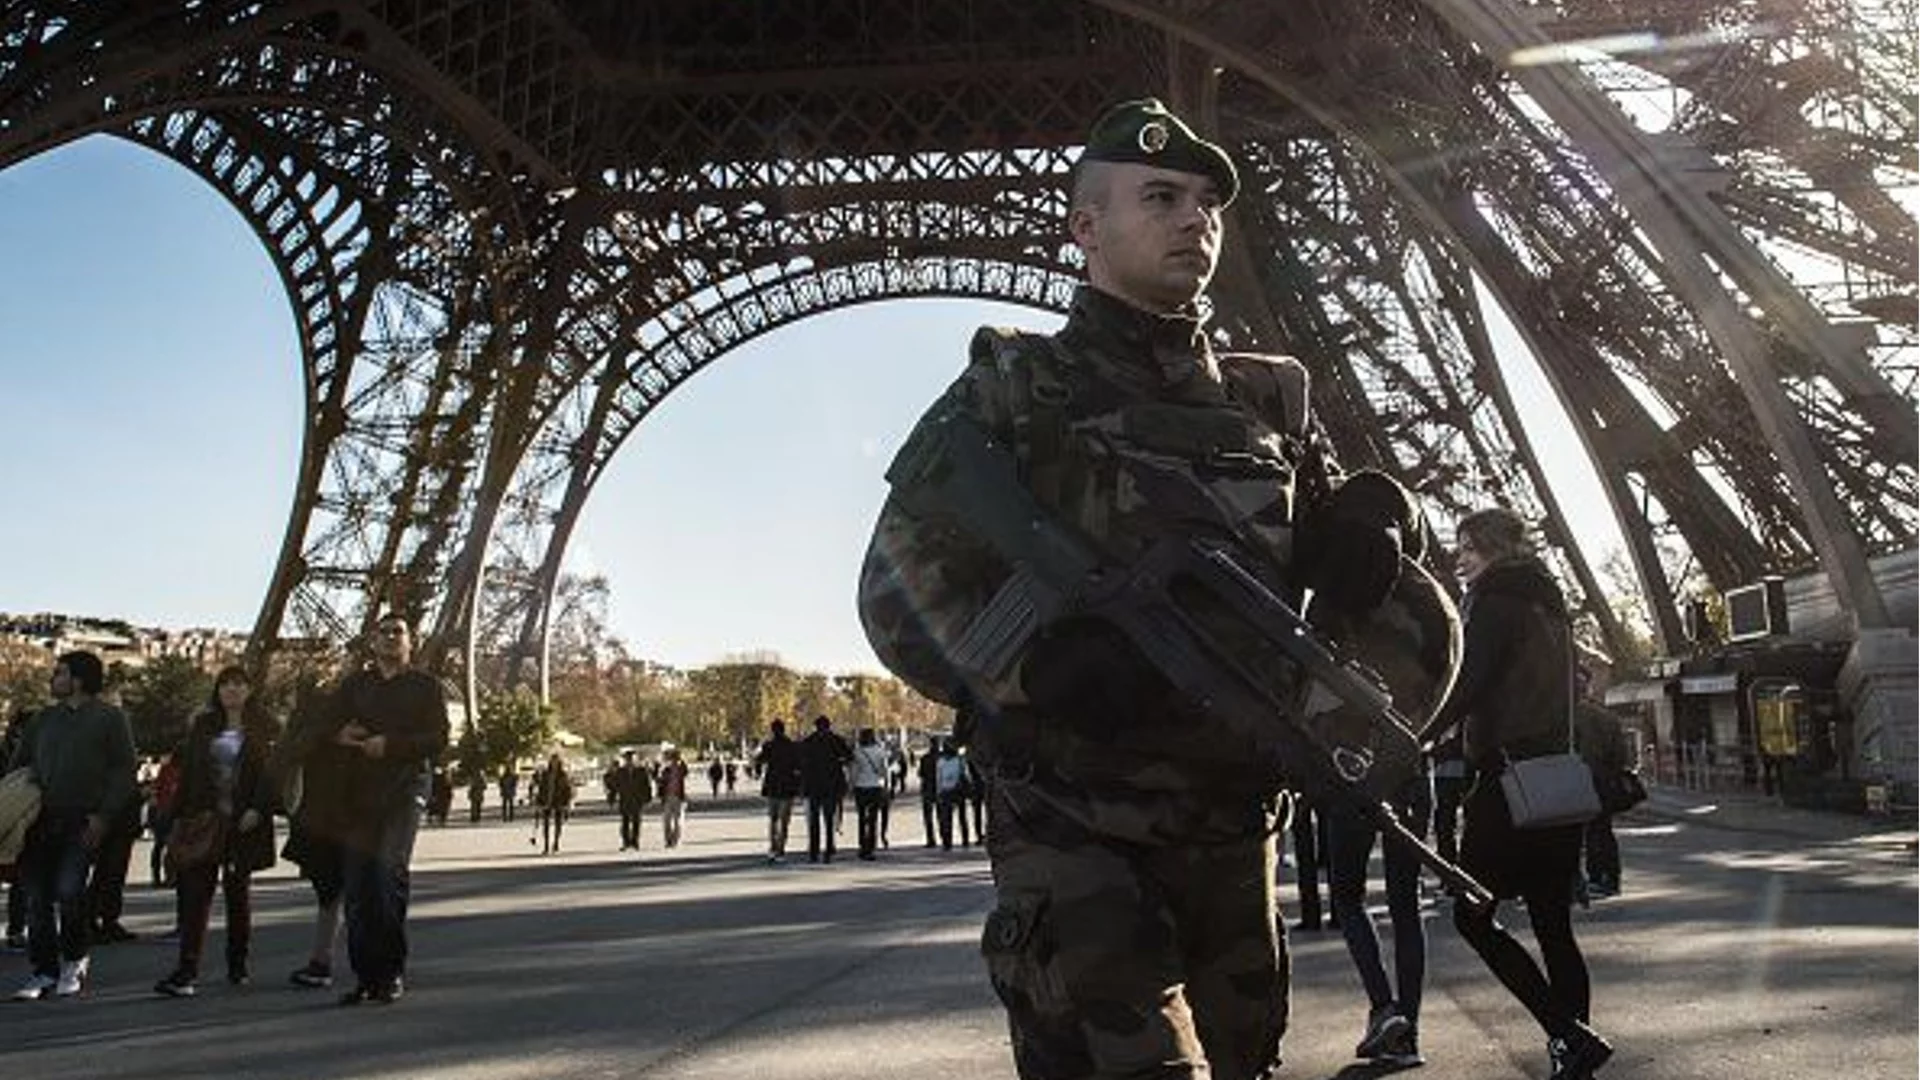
{"points": [[1347, 550], [1086, 673]]}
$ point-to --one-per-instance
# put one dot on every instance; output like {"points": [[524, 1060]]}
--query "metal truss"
{"points": [[510, 228]]}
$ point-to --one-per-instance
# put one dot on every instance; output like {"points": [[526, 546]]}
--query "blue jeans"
{"points": [[1350, 840], [378, 883], [53, 870]]}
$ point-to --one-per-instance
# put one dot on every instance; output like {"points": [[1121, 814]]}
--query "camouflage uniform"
{"points": [[1136, 928], [1136, 932]]}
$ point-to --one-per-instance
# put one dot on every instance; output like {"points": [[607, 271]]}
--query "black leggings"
{"points": [[1535, 865]]}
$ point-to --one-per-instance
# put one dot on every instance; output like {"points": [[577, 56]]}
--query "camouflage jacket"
{"points": [[1129, 427]]}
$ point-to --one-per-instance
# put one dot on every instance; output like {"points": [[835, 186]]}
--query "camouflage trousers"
{"points": [[1119, 960]]}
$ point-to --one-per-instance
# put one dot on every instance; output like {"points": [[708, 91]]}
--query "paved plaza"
{"points": [[1750, 942]]}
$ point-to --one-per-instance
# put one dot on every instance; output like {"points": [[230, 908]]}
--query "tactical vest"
{"points": [[1127, 471]]}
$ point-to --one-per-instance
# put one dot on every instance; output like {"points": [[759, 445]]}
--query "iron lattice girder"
{"points": [[540, 333]]}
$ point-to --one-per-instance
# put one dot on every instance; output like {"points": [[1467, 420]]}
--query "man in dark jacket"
{"points": [[823, 779], [81, 752], [1601, 738], [778, 762], [631, 787], [395, 717]]}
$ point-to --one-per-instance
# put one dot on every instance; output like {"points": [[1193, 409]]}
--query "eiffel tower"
{"points": [[510, 228]]}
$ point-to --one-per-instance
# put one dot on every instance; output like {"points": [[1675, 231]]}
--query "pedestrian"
{"points": [[1308, 831], [395, 716], [107, 882], [509, 791], [16, 891], [733, 775], [929, 777], [1451, 782], [869, 770], [552, 800], [312, 773], [823, 780], [476, 795], [227, 791], [160, 803], [950, 794], [80, 751], [779, 763], [672, 786], [633, 788], [1513, 700], [1392, 1033], [439, 796], [716, 772], [1601, 737], [976, 790], [1135, 931]]}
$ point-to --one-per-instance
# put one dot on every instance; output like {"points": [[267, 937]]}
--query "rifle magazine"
{"points": [[998, 635]]}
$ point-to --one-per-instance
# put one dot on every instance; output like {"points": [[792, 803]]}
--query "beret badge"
{"points": [[1153, 136]]}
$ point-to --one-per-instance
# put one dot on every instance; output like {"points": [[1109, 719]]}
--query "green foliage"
{"points": [[161, 699], [735, 701], [511, 727], [24, 670]]}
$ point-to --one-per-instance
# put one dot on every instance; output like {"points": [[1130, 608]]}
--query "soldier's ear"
{"points": [[1081, 222]]}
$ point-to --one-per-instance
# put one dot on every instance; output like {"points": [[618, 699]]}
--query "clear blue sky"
{"points": [[150, 420]]}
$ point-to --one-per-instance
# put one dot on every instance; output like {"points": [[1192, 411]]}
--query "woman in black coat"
{"points": [[1513, 700], [224, 777]]}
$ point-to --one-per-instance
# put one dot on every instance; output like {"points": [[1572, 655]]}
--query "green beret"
{"points": [[1144, 133]]}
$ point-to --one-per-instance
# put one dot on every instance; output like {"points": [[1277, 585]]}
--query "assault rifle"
{"points": [[1194, 612]]}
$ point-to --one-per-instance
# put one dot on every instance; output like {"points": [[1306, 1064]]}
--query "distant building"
{"points": [[1784, 701]]}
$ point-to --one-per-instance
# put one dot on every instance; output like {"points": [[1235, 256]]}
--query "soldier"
{"points": [[1135, 932]]}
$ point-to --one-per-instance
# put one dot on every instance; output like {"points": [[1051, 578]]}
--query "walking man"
{"points": [[395, 717], [633, 789], [80, 751], [823, 779], [673, 796], [779, 765]]}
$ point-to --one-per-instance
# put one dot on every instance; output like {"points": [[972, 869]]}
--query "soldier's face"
{"points": [[1154, 240]]}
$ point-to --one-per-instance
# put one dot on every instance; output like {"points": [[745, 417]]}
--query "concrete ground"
{"points": [[1749, 941]]}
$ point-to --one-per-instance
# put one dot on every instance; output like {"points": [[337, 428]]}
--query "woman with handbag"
{"points": [[1513, 701], [223, 825]]}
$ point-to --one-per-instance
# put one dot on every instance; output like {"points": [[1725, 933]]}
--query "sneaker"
{"points": [[313, 976], [1578, 1055], [73, 975], [238, 974], [36, 987], [1402, 1051], [387, 993], [112, 933], [1384, 1024], [178, 985]]}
